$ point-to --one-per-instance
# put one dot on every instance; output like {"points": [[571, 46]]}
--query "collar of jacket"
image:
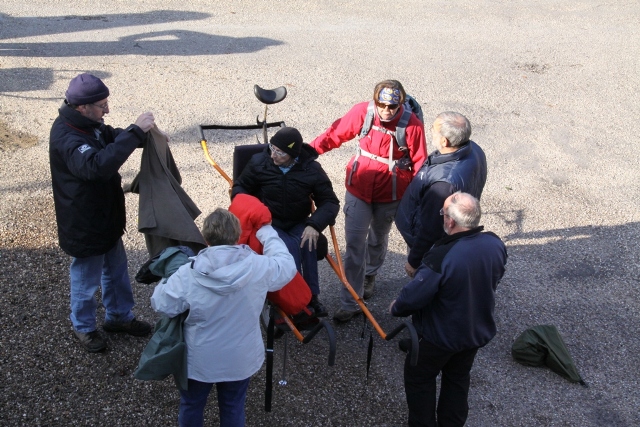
{"points": [[388, 124], [77, 120], [453, 237], [437, 158]]}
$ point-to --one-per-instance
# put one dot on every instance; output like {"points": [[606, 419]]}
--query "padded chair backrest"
{"points": [[241, 156]]}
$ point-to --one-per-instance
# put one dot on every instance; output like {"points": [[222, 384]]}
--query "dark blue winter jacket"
{"points": [[87, 192], [418, 216], [452, 296]]}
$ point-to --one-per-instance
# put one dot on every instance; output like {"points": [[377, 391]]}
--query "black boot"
{"points": [[317, 306]]}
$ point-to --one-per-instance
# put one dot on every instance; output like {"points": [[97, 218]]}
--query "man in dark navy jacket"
{"points": [[85, 155], [451, 301], [458, 164]]}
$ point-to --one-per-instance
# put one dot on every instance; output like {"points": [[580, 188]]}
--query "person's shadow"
{"points": [[156, 43], [18, 27]]}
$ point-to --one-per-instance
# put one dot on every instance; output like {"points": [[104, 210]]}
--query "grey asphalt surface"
{"points": [[550, 87]]}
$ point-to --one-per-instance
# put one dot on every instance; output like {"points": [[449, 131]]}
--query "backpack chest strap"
{"points": [[380, 159], [383, 130], [384, 160]]}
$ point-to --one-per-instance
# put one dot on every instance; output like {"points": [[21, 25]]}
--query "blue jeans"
{"points": [[231, 398], [306, 260], [108, 271]]}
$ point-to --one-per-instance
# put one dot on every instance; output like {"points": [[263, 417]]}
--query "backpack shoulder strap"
{"points": [[401, 128], [368, 120]]}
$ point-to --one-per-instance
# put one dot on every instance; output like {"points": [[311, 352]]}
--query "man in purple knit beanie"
{"points": [[85, 155]]}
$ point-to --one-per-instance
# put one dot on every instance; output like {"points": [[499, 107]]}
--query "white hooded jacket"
{"points": [[224, 289]]}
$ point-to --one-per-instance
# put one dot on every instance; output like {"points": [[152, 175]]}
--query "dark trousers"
{"points": [[231, 398], [420, 386]]}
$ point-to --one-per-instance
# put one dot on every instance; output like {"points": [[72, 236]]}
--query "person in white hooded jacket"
{"points": [[224, 289]]}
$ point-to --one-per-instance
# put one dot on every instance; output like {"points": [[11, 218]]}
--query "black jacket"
{"points": [[452, 296], [287, 195], [87, 191]]}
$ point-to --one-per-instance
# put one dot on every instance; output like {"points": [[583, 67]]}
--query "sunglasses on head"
{"points": [[390, 106]]}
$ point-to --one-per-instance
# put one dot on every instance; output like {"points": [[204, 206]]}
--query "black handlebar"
{"points": [[414, 339], [330, 333]]}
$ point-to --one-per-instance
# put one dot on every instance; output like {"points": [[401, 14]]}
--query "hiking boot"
{"points": [[318, 307], [343, 316], [369, 285], [91, 341], [135, 327]]}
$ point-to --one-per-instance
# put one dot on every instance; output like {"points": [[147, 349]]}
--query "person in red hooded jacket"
{"points": [[376, 178]]}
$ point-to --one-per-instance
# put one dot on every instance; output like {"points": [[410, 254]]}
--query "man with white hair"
{"points": [[458, 164], [451, 301]]}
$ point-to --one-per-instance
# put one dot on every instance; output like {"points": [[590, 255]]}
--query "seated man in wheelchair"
{"points": [[287, 178]]}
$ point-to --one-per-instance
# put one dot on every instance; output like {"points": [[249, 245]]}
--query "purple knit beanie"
{"points": [[86, 89]]}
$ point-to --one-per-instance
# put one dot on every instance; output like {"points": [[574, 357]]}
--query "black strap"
{"points": [[268, 392], [369, 353], [369, 347]]}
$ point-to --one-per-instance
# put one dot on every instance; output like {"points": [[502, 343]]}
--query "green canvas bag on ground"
{"points": [[543, 345]]}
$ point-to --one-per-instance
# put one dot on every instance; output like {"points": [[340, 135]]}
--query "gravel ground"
{"points": [[551, 88]]}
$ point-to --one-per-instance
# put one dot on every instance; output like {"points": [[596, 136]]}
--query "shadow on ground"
{"points": [[572, 278]]}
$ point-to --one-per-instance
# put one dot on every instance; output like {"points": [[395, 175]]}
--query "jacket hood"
{"points": [[223, 269], [308, 153]]}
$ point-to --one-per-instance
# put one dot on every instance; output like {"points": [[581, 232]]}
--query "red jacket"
{"points": [[253, 214], [372, 181]]}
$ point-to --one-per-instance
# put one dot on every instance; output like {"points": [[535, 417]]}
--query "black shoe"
{"points": [[304, 315], [317, 306], [91, 341], [405, 345], [135, 327]]}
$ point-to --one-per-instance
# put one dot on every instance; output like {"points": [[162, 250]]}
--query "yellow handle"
{"points": [[213, 163]]}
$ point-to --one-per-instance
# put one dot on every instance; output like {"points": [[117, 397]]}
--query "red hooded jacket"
{"points": [[253, 214]]}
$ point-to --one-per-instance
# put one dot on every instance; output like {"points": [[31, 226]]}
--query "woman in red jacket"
{"points": [[377, 176]]}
